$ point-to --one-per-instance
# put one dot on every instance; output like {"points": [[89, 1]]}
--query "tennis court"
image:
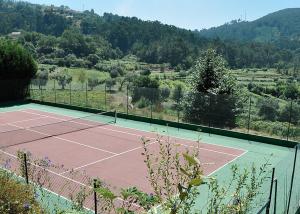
{"points": [[102, 150], [109, 148]]}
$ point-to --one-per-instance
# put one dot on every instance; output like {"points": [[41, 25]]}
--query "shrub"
{"points": [[146, 72], [142, 103], [17, 67], [41, 78], [165, 93], [268, 109], [16, 197]]}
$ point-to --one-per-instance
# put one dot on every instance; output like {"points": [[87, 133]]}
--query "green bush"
{"points": [[16, 197], [17, 67]]}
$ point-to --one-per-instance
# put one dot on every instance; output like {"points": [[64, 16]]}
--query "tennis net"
{"points": [[11, 134]]}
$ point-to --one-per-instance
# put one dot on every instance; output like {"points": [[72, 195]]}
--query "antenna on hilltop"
{"points": [[245, 15], [82, 7]]}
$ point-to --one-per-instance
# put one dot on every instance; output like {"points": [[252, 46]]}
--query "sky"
{"points": [[189, 14]]}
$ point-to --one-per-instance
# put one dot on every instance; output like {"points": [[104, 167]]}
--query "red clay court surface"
{"points": [[110, 152]]}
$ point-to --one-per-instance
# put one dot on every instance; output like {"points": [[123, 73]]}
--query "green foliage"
{"points": [[147, 87], [129, 197], [93, 82], [212, 100], [165, 93], [41, 78], [15, 62], [174, 176], [89, 36], [17, 67], [245, 186], [290, 112], [110, 83], [280, 26], [292, 92], [62, 78], [268, 109], [146, 72], [17, 197]]}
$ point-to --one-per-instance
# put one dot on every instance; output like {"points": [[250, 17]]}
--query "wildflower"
{"points": [[26, 206], [7, 164]]}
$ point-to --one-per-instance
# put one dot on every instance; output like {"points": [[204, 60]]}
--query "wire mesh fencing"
{"points": [[244, 112], [69, 191], [284, 194]]}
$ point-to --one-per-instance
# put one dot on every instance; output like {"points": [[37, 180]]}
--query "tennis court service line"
{"points": [[104, 159], [229, 147], [20, 121], [129, 133], [60, 138]]}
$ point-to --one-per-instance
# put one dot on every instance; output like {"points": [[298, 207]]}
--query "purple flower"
{"points": [[7, 164], [26, 206]]}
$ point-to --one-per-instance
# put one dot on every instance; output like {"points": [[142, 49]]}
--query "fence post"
{"points": [[86, 95], [25, 168], [41, 92], [54, 91], [95, 196], [209, 114], [70, 93], [105, 96], [127, 101], [275, 196], [290, 120], [151, 105], [271, 190], [249, 113], [292, 180]]}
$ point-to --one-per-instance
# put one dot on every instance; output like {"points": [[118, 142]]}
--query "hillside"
{"points": [[280, 25], [64, 37]]}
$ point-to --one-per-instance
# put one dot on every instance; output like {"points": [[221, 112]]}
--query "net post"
{"points": [[275, 197], [271, 190], [95, 196], [292, 180], [25, 168]]}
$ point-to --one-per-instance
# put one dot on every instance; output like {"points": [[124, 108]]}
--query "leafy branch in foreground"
{"points": [[245, 186], [129, 200], [174, 174]]}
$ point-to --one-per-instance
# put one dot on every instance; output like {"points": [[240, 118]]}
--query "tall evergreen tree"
{"points": [[213, 100]]}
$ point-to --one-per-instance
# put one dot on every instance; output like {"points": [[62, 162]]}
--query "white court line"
{"points": [[227, 164], [186, 139], [70, 141], [13, 110], [21, 121], [98, 127], [98, 161], [70, 179]]}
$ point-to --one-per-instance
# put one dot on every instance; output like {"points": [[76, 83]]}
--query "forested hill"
{"points": [[280, 25], [56, 35]]}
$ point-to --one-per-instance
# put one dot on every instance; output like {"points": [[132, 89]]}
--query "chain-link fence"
{"points": [[245, 112], [51, 188], [283, 196]]}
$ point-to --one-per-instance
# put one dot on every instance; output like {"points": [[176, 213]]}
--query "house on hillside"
{"points": [[15, 35]]}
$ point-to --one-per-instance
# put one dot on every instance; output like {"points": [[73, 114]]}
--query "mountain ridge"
{"points": [[284, 23]]}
